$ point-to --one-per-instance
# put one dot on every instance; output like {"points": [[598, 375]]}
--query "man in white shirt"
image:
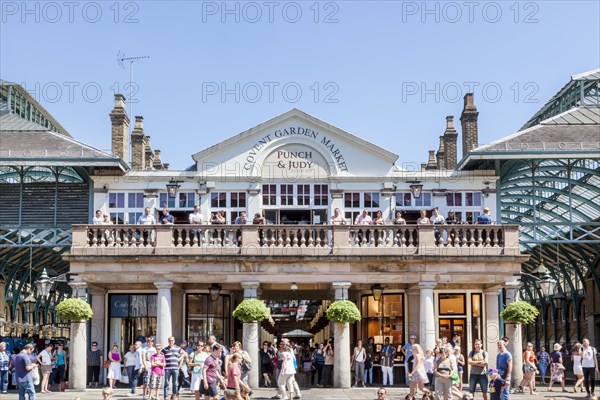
{"points": [[436, 218], [196, 219], [337, 218], [98, 218], [363, 219], [146, 218]]}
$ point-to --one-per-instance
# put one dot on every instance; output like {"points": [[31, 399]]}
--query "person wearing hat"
{"points": [[557, 369]]}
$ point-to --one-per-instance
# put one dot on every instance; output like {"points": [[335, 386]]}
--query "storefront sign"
{"points": [[322, 140], [295, 161]]}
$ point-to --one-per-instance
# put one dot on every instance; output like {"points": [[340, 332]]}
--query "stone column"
{"points": [[78, 356], [251, 336], [513, 332], [341, 335], [413, 300], [98, 322], [426, 312], [492, 324], [163, 312]]}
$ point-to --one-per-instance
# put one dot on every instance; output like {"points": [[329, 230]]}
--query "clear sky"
{"points": [[387, 71]]}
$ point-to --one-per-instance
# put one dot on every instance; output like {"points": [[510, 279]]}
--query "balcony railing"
{"points": [[281, 239]]}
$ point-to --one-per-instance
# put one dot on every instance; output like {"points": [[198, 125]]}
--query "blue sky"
{"points": [[387, 71]]}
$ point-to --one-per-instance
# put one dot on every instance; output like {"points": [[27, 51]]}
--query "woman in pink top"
{"points": [[114, 370], [234, 383], [157, 362]]}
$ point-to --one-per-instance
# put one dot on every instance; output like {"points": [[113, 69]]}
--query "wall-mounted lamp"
{"points": [[377, 291], [416, 188], [214, 291], [172, 188]]}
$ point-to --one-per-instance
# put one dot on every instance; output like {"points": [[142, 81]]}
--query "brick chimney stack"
{"points": [[450, 143], [157, 163], [431, 163], [120, 129], [468, 120], [138, 144], [440, 155], [149, 164]]}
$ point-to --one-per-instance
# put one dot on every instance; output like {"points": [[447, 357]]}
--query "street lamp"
{"points": [[172, 188], [44, 283], [544, 280], [29, 305], [214, 291], [377, 291]]}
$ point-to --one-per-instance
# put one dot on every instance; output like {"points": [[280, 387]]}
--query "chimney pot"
{"points": [[450, 122], [119, 100], [139, 122]]}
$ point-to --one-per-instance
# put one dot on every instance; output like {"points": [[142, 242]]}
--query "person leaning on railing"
{"points": [[196, 218], [146, 219]]}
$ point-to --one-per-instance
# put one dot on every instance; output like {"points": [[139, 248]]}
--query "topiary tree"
{"points": [[74, 310], [251, 310], [519, 312], [343, 311]]}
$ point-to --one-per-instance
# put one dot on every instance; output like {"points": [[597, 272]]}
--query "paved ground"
{"points": [[308, 394]]}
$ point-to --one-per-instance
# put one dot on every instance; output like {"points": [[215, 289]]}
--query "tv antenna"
{"points": [[121, 60]]}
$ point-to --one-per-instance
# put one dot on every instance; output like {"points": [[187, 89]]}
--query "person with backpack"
{"points": [[478, 360], [589, 364]]}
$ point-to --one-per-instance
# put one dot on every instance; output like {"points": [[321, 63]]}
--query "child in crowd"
{"points": [[107, 393], [428, 363], [158, 363], [495, 384]]}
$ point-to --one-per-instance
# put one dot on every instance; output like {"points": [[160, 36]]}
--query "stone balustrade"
{"points": [[318, 240]]}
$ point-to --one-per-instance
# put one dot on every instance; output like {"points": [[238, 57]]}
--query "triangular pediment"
{"points": [[296, 140]]}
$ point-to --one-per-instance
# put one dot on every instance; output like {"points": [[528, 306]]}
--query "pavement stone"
{"points": [[369, 393]]}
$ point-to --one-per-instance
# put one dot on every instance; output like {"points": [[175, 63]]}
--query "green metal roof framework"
{"points": [[25, 249], [583, 89], [21, 103]]}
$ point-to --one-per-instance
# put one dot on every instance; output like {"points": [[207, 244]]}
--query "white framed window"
{"points": [[125, 207], [355, 202], [183, 200], [303, 195], [403, 199], [321, 195], [233, 203], [424, 200], [473, 199], [454, 199], [287, 195], [218, 200], [269, 195]]}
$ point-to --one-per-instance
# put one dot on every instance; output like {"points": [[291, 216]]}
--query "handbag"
{"points": [[560, 367], [107, 364], [124, 376], [35, 374]]}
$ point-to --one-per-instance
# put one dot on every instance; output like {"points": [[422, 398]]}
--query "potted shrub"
{"points": [[251, 310], [519, 312], [343, 311], [74, 310]]}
